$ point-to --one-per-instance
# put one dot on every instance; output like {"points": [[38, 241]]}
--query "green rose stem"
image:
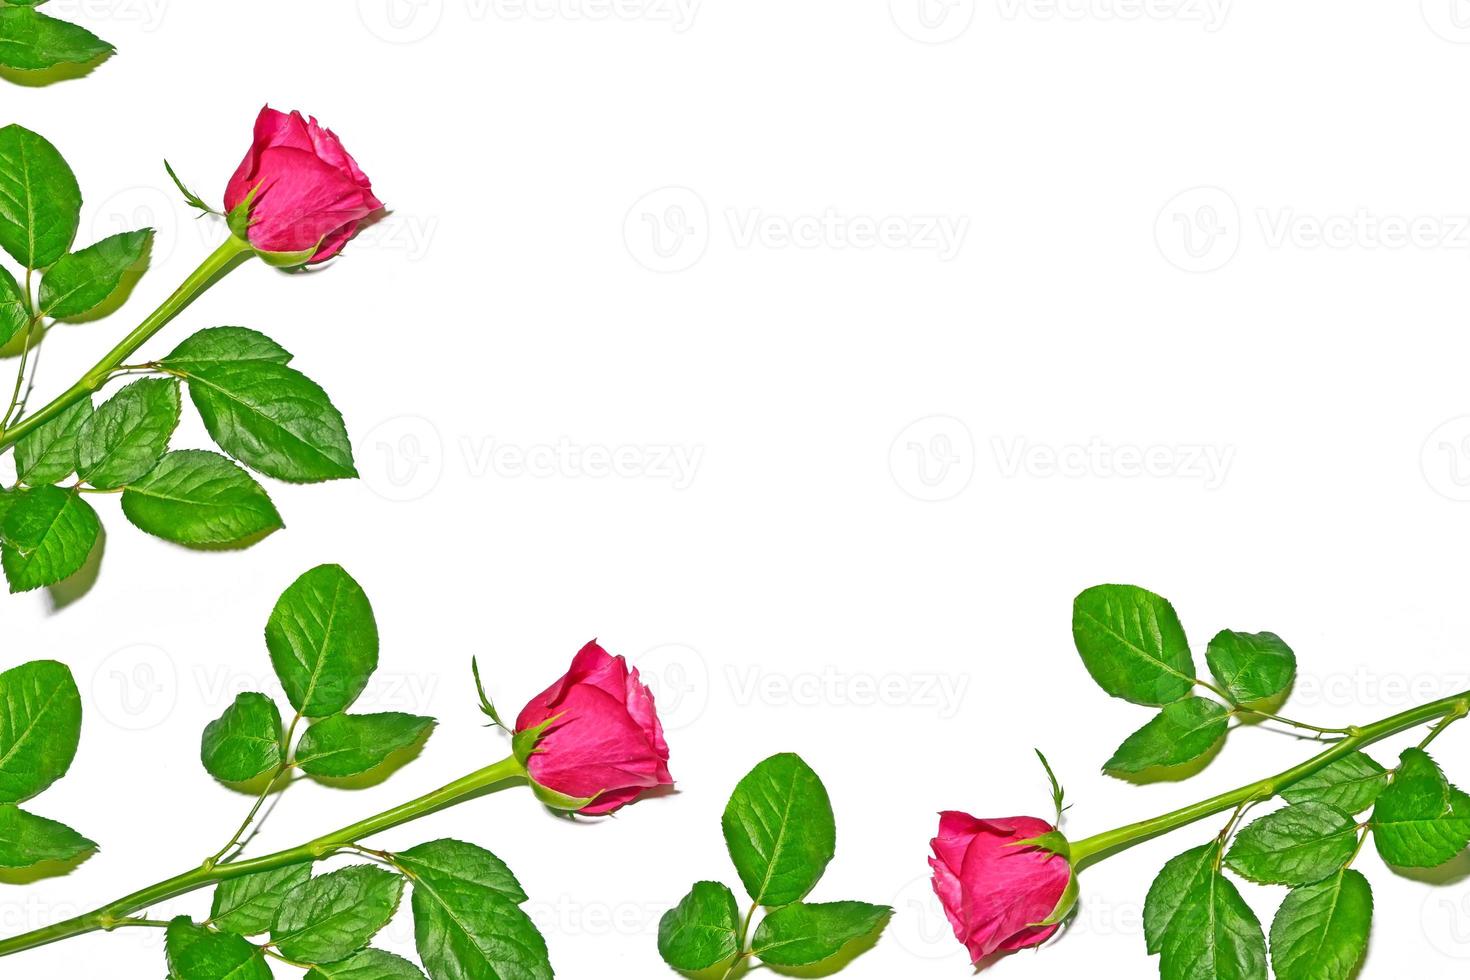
{"points": [[1100, 846], [117, 914], [221, 261]]}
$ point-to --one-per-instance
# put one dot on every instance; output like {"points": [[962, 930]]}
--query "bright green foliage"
{"points": [[40, 202], [245, 741], [47, 535], [216, 346], [468, 923], [1132, 644], [799, 934], [83, 280], [128, 434], [1420, 820], [331, 916], [1298, 845], [199, 498], [781, 835], [32, 41], [26, 839], [272, 418], [346, 745], [1213, 934], [247, 905], [370, 964], [1251, 667], [14, 311], [702, 930], [323, 641], [1351, 784], [1166, 896], [1180, 733], [780, 830], [1321, 930], [197, 953], [48, 454]]}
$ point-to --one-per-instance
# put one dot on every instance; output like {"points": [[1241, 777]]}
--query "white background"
{"points": [[1229, 239]]}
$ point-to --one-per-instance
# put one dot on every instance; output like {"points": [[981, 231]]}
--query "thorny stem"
{"points": [[220, 261], [1240, 709], [1444, 711], [122, 911]]}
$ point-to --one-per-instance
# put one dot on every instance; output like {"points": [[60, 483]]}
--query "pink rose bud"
{"points": [[994, 893], [604, 739], [308, 191]]}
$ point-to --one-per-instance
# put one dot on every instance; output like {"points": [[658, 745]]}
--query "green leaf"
{"points": [[1420, 821], [14, 314], [1251, 667], [272, 418], [323, 641], [245, 741], [48, 454], [40, 726], [83, 280], [1181, 733], [1171, 887], [128, 434], [214, 346], [40, 202], [48, 534], [800, 934], [370, 964], [780, 830], [26, 840], [1321, 930], [31, 41], [195, 953], [248, 904], [465, 931], [334, 915], [702, 930], [346, 745], [1351, 784], [1298, 845], [453, 864], [1213, 935], [1132, 644], [194, 497]]}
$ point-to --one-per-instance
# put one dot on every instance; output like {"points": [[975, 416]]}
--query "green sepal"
{"points": [[559, 801], [1054, 842], [523, 743], [190, 198], [287, 260], [486, 705], [239, 217], [1065, 904], [1058, 794]]}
